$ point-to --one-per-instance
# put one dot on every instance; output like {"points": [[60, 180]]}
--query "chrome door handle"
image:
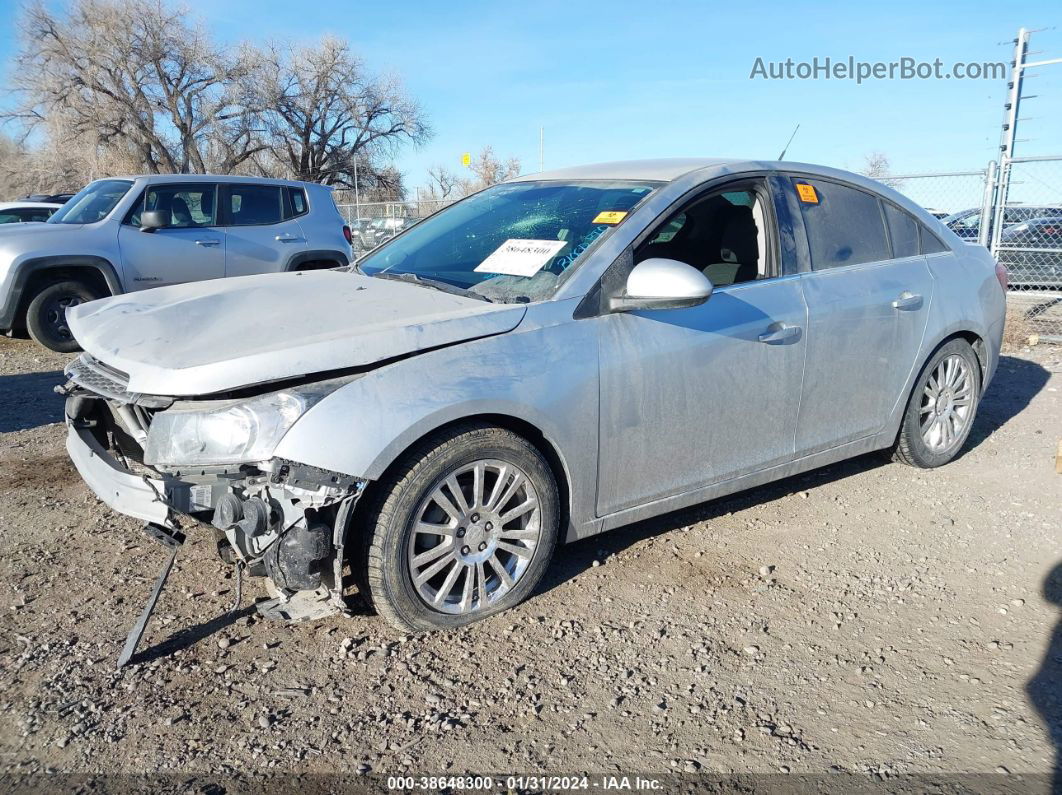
{"points": [[207, 242], [780, 333], [289, 239], [907, 301]]}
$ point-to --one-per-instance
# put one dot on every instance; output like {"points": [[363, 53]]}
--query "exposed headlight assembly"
{"points": [[228, 431]]}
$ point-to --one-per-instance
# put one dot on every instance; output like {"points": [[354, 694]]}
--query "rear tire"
{"points": [[46, 314], [479, 563], [941, 409]]}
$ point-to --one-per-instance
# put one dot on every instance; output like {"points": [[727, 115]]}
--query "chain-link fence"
{"points": [[1016, 211], [372, 223]]}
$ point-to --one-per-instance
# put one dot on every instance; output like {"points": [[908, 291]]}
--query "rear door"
{"points": [[262, 232], [191, 248], [867, 311]]}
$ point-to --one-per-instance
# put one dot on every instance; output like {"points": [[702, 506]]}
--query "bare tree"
{"points": [[487, 169], [443, 184], [134, 75], [876, 166], [324, 114]]}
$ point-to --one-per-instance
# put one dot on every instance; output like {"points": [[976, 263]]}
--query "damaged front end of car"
{"points": [[163, 459]]}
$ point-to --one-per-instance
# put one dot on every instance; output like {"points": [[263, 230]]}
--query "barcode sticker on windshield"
{"points": [[521, 257]]}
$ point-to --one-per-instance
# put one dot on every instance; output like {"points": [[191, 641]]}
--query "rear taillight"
{"points": [[1003, 276], [347, 235]]}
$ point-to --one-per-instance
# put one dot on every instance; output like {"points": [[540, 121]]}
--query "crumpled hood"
{"points": [[212, 336]]}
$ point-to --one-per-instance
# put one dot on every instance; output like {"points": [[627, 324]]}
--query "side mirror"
{"points": [[659, 283], [150, 220]]}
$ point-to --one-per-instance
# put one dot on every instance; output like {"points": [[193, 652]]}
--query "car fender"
{"points": [[544, 376], [316, 255], [23, 270]]}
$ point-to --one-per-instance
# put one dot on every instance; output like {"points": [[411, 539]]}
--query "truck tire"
{"points": [[46, 314]]}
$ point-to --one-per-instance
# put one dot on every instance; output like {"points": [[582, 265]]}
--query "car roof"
{"points": [[29, 205], [670, 169], [154, 179]]}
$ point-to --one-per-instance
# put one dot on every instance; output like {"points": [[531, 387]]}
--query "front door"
{"points": [[191, 248], [693, 397]]}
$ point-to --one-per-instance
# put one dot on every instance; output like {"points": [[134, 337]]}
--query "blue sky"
{"points": [[622, 80]]}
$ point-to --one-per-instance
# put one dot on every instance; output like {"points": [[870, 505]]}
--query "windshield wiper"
{"points": [[436, 284]]}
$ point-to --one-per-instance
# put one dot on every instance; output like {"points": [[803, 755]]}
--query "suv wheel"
{"points": [[463, 529], [46, 314], [941, 410]]}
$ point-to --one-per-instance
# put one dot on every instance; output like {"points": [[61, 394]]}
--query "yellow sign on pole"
{"points": [[466, 159]]}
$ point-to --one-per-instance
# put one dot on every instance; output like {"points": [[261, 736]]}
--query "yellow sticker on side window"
{"points": [[610, 217], [807, 193]]}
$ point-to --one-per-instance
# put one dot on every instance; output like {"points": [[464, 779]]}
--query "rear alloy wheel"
{"points": [[46, 314], [942, 407], [463, 530]]}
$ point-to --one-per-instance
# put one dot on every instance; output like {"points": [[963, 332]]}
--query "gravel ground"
{"points": [[867, 617]]}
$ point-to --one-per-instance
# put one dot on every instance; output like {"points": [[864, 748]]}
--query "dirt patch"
{"points": [[867, 617]]}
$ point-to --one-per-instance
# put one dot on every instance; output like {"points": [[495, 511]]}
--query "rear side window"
{"points": [[253, 205], [844, 225], [903, 232], [931, 244], [296, 202]]}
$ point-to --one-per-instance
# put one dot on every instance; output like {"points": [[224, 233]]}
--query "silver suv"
{"points": [[124, 234]]}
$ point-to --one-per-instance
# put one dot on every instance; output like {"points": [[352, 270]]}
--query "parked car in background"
{"points": [[379, 230], [1032, 253], [967, 223], [51, 198], [553, 357], [126, 234], [938, 214], [21, 212]]}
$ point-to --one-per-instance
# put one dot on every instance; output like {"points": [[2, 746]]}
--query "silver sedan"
{"points": [[550, 358]]}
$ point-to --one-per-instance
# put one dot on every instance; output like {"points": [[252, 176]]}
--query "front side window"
{"points": [[184, 206], [723, 235], [844, 225], [93, 203], [511, 242], [255, 205]]}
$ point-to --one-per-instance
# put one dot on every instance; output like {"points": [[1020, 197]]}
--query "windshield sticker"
{"points": [[521, 257], [610, 217]]}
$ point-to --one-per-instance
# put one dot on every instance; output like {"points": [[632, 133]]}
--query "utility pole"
{"points": [[1009, 138]]}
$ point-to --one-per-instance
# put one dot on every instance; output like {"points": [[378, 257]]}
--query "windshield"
{"points": [[511, 242], [93, 203]]}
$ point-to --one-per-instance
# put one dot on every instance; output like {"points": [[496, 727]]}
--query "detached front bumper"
{"points": [[133, 495]]}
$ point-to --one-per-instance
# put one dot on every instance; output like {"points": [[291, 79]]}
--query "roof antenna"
{"points": [[791, 137]]}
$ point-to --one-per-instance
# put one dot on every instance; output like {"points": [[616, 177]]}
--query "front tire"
{"points": [[46, 314], [464, 528], [942, 407]]}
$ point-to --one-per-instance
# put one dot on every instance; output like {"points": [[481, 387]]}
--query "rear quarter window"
{"points": [[844, 225], [903, 232]]}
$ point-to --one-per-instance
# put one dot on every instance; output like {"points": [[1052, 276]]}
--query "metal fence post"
{"points": [[987, 204]]}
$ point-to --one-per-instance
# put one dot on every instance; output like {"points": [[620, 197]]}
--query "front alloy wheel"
{"points": [[463, 528], [474, 537]]}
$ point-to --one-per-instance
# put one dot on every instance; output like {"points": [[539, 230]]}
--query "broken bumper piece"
{"points": [[280, 520], [118, 487]]}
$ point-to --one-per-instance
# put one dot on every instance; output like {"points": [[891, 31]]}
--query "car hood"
{"points": [[206, 337]]}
